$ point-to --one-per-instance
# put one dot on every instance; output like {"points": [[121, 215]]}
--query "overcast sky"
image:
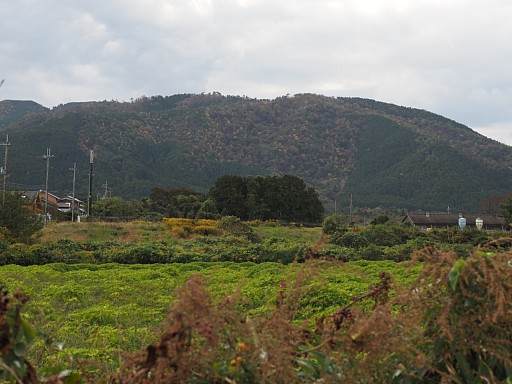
{"points": [[451, 57]]}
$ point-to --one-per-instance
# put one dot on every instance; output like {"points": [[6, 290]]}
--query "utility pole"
{"points": [[89, 198], [73, 197], [4, 169], [47, 157], [107, 192]]}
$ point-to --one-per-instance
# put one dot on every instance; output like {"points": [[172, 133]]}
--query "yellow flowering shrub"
{"points": [[183, 228]]}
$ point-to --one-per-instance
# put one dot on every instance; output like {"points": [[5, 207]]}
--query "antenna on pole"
{"points": [[89, 198], [73, 197], [4, 168], [47, 157]]}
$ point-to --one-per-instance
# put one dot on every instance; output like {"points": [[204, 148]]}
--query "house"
{"points": [[36, 200], [66, 203], [428, 220]]}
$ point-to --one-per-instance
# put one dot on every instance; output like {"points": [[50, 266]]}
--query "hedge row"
{"points": [[207, 249]]}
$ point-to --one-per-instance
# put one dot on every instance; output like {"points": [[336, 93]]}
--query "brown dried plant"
{"points": [[453, 325]]}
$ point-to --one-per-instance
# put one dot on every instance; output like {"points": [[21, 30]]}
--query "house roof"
{"points": [[33, 196], [70, 198], [450, 219], [30, 195]]}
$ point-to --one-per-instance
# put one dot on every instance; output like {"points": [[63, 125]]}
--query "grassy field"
{"points": [[101, 231], [142, 231]]}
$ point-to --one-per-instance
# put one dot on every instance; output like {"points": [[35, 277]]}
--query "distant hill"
{"points": [[12, 111], [380, 154]]}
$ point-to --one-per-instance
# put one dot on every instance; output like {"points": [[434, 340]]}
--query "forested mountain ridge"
{"points": [[381, 154], [12, 111]]}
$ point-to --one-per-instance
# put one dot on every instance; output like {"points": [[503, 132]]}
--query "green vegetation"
{"points": [[398, 242], [267, 198], [267, 322], [180, 202], [209, 301], [17, 222], [506, 210], [285, 198], [230, 239], [98, 312]]}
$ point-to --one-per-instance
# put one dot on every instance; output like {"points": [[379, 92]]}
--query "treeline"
{"points": [[267, 198], [286, 198]]}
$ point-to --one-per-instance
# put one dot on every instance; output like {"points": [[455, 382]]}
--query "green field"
{"points": [[101, 311]]}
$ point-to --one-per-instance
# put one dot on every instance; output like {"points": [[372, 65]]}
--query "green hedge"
{"points": [[200, 249]]}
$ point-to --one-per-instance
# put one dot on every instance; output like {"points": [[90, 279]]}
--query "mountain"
{"points": [[380, 154], [13, 110]]}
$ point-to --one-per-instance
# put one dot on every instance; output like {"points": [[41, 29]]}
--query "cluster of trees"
{"points": [[183, 202], [267, 198], [285, 198]]}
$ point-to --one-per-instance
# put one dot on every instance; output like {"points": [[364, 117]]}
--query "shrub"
{"points": [[350, 239], [234, 226], [17, 254], [371, 252], [390, 234], [332, 223], [381, 219], [206, 230]]}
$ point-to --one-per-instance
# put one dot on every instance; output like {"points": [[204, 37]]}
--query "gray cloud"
{"points": [[451, 58]]}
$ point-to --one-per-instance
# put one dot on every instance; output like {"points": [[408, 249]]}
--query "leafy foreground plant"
{"points": [[15, 336], [454, 325]]}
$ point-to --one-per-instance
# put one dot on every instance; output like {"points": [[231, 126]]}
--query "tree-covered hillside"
{"points": [[380, 154], [14, 110]]}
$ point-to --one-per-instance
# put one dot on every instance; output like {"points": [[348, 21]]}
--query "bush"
{"points": [[381, 219], [371, 252], [331, 251], [390, 234], [332, 223], [350, 239], [234, 226]]}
